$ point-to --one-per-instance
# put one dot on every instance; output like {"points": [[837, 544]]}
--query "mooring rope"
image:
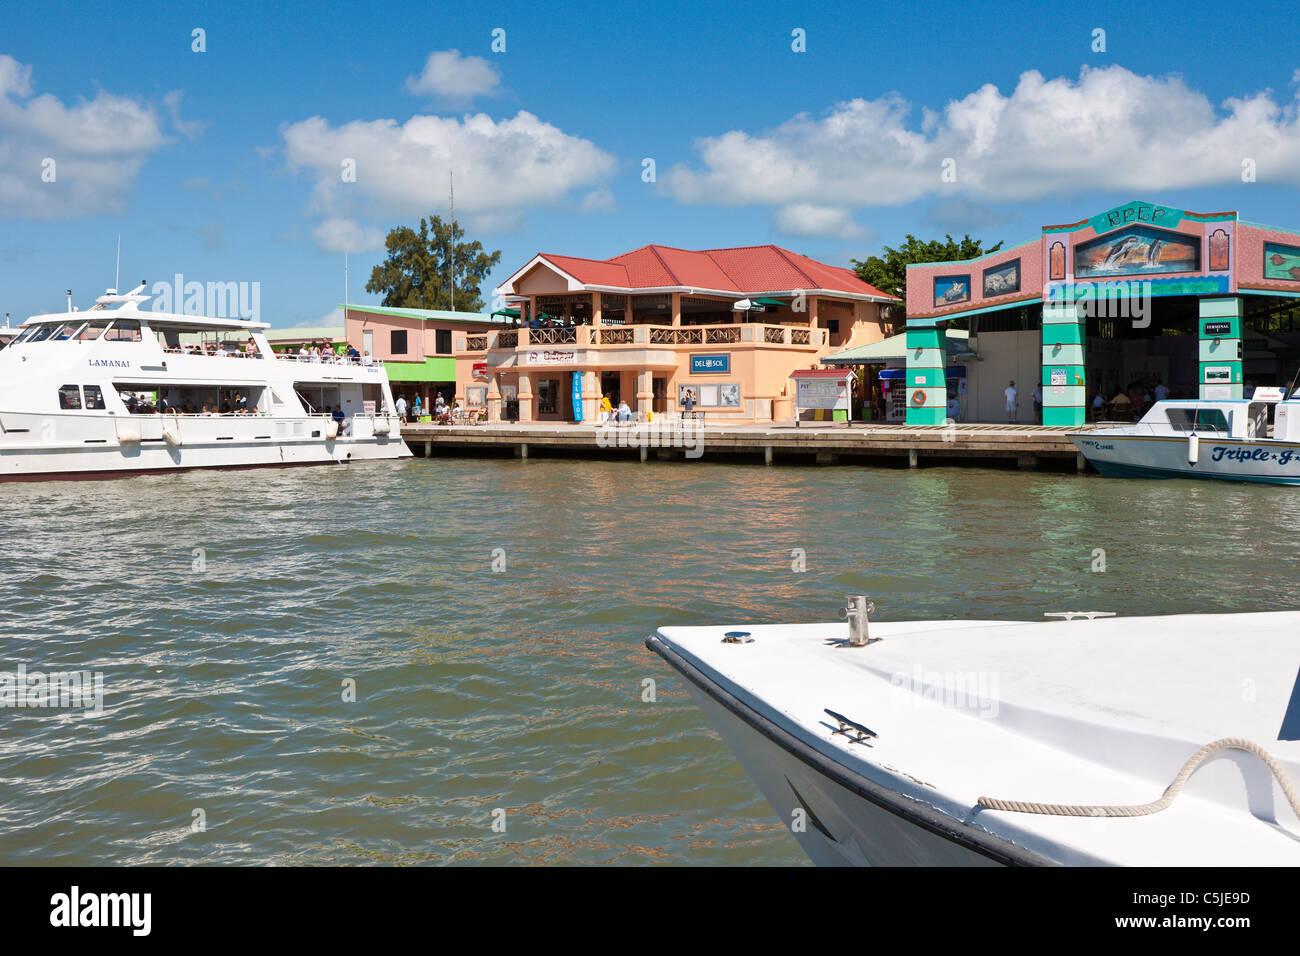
{"points": [[1155, 806]]}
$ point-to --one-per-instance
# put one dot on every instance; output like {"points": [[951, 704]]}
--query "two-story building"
{"points": [[415, 345], [660, 328]]}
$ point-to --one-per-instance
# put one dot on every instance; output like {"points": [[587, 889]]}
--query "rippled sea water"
{"points": [[521, 690]]}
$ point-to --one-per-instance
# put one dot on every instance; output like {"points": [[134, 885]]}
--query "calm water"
{"points": [[518, 690]]}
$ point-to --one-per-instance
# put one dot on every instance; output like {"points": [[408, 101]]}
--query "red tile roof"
{"points": [[744, 271]]}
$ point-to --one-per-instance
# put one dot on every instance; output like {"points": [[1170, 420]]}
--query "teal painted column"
{"points": [[1220, 347], [927, 386], [1064, 381]]}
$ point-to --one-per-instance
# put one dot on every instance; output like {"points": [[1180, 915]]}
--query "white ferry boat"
{"points": [[1144, 741], [1255, 439], [117, 390]]}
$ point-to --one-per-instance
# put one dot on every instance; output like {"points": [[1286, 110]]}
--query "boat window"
{"points": [[123, 330], [69, 397], [42, 333], [24, 335], [94, 397], [92, 331], [66, 331]]}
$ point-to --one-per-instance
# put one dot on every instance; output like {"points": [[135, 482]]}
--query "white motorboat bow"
{"points": [[119, 390], [1255, 439], [997, 742]]}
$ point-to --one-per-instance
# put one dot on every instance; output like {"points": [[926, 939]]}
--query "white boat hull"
{"points": [[955, 730], [1151, 456], [36, 447], [838, 818]]}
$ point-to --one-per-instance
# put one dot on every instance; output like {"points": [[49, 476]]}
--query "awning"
{"points": [[893, 349], [952, 371], [508, 313], [776, 302]]}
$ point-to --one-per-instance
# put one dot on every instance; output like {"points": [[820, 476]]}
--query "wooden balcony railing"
{"points": [[567, 336], [476, 343], [623, 335]]}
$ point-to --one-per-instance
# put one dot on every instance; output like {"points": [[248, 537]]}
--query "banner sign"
{"points": [[577, 396]]}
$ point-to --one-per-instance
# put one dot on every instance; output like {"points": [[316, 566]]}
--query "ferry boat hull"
{"points": [[117, 390]]}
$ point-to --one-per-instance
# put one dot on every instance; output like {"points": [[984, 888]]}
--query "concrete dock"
{"points": [[827, 443]]}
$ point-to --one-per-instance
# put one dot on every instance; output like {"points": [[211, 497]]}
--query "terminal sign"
{"points": [[1218, 328], [710, 364]]}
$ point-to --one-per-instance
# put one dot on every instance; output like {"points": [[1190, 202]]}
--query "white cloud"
{"points": [[806, 219], [190, 129], [502, 167], [1109, 129], [347, 235], [98, 147], [598, 200], [453, 78]]}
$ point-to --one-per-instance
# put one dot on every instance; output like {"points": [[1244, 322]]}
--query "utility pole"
{"points": [[451, 251]]}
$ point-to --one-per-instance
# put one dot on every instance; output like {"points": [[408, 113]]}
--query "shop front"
{"points": [[1134, 303]]}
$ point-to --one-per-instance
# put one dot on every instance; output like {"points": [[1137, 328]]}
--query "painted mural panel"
{"points": [[1002, 279], [950, 290], [1281, 262], [1137, 250]]}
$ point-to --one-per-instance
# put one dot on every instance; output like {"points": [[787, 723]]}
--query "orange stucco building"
{"points": [[658, 327]]}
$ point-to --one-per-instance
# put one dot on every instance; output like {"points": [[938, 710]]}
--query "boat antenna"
{"points": [[117, 272], [345, 285], [1291, 391]]}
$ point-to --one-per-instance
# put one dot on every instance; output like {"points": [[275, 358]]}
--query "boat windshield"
{"points": [[1198, 419]]}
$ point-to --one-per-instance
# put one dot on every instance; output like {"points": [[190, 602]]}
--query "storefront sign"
{"points": [[710, 364], [577, 396], [551, 357], [1218, 328]]}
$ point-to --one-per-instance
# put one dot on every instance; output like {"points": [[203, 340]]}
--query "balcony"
{"points": [[632, 336]]}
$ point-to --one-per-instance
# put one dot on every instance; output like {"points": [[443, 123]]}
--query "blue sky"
{"points": [[225, 165]]}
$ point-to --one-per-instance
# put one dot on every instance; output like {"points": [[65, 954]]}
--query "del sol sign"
{"points": [[710, 364]]}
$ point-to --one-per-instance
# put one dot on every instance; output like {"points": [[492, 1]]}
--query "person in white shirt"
{"points": [[1013, 401], [366, 359], [401, 408]]}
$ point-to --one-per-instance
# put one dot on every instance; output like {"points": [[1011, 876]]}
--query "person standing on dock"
{"points": [[401, 408], [1013, 402], [1038, 403]]}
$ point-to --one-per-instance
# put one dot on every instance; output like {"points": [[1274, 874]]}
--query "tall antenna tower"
{"points": [[451, 251], [117, 271]]}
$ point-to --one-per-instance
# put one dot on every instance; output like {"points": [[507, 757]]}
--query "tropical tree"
{"points": [[421, 263], [888, 272]]}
